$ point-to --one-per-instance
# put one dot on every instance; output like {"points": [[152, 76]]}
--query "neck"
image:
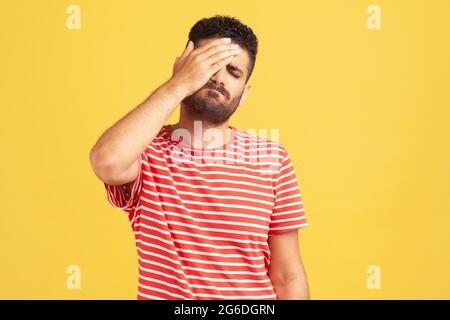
{"points": [[203, 134]]}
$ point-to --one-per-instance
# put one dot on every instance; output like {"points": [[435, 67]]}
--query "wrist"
{"points": [[177, 90]]}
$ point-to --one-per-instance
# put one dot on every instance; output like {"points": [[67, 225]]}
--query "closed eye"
{"points": [[235, 71]]}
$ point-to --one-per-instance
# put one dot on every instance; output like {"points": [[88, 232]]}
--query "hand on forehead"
{"points": [[203, 42], [239, 61]]}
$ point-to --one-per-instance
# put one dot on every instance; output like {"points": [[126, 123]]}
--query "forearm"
{"points": [[294, 289], [124, 141]]}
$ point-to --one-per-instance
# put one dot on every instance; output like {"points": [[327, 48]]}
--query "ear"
{"points": [[245, 93]]}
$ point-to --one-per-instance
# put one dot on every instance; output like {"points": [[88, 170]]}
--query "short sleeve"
{"points": [[118, 196], [288, 211]]}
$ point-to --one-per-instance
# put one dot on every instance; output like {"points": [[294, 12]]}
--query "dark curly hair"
{"points": [[220, 26]]}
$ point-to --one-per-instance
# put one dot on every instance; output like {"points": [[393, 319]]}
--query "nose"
{"points": [[219, 77]]}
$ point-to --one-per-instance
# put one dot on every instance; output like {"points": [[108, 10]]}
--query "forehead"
{"points": [[241, 60]]}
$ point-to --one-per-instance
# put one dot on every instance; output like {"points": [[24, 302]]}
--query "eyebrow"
{"points": [[234, 68]]}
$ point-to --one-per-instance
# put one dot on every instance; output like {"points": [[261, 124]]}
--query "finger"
{"points": [[216, 49], [211, 43], [221, 63], [188, 49], [221, 55]]}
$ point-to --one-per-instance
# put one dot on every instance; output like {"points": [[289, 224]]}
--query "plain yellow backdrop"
{"points": [[365, 115]]}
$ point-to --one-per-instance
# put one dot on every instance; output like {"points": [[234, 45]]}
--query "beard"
{"points": [[211, 104]]}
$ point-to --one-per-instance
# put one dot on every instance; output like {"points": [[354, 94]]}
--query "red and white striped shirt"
{"points": [[202, 217]]}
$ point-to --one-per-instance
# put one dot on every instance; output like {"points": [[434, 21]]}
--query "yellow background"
{"points": [[365, 115]]}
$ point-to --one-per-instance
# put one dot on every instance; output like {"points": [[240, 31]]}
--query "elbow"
{"points": [[103, 165]]}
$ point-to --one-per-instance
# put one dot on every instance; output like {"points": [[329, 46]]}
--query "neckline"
{"points": [[231, 140]]}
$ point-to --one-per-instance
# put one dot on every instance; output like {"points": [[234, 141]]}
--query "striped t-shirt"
{"points": [[202, 217]]}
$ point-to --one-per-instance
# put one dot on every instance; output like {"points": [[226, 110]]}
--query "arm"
{"points": [[115, 156], [286, 268]]}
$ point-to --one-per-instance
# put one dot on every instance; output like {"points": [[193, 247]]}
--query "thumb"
{"points": [[188, 49]]}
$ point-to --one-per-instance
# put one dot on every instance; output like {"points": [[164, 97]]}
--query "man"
{"points": [[216, 214]]}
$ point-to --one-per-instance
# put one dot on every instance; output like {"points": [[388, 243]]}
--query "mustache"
{"points": [[220, 89]]}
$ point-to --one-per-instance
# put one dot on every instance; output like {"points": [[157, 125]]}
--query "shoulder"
{"points": [[162, 139], [163, 134]]}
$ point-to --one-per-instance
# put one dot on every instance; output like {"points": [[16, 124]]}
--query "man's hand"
{"points": [[194, 67]]}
